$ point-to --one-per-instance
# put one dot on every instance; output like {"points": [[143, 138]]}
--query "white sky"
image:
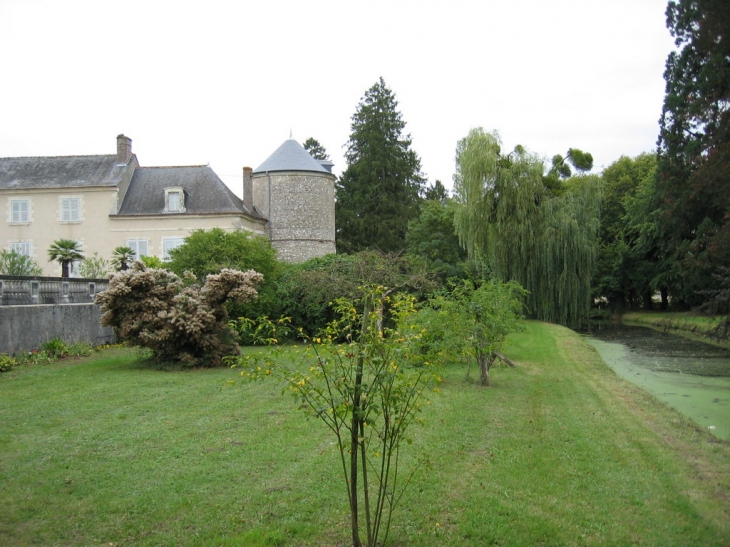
{"points": [[223, 82]]}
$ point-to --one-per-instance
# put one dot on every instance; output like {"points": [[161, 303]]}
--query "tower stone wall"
{"points": [[300, 208]]}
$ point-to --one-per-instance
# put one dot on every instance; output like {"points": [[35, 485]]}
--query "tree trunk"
{"points": [[647, 300], [505, 359], [665, 297], [356, 427], [483, 370]]}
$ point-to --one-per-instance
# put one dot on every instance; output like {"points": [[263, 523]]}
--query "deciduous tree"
{"points": [[506, 213], [628, 271]]}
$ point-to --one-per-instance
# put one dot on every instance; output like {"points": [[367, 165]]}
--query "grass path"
{"points": [[110, 451]]}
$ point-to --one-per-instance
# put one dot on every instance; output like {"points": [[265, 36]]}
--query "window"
{"points": [[21, 247], [174, 200], [139, 246], [70, 209], [19, 211], [170, 243]]}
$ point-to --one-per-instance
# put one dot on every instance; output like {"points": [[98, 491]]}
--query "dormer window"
{"points": [[174, 200]]}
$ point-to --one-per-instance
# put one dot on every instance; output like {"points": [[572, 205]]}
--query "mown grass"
{"points": [[109, 450]]}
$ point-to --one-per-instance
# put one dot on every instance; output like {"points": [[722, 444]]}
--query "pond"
{"points": [[688, 375]]}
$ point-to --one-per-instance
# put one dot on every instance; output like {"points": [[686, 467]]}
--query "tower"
{"points": [[296, 193]]}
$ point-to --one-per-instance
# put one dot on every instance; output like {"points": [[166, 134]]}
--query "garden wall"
{"points": [[27, 327]]}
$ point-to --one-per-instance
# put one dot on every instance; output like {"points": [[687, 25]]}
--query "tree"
{"points": [[693, 184], [316, 150], [368, 392], [473, 322], [179, 320], [13, 263], [432, 237], [547, 243], [65, 252], [378, 194], [628, 267], [209, 251], [94, 267], [122, 258], [560, 170], [436, 192]]}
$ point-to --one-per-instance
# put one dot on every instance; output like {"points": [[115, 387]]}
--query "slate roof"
{"points": [[60, 172], [204, 191], [290, 156]]}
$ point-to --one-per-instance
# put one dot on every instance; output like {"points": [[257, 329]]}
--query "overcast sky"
{"points": [[224, 82]]}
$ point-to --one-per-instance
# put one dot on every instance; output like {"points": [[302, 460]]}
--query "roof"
{"points": [[290, 156], [60, 172], [204, 191]]}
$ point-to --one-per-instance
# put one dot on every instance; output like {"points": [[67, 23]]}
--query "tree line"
{"points": [[653, 230]]}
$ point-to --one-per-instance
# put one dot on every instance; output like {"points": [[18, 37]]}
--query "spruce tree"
{"points": [[378, 194], [315, 149]]}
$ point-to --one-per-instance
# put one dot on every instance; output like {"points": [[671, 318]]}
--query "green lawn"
{"points": [[109, 450]]}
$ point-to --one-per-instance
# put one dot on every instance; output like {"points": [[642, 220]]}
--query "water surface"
{"points": [[688, 375]]}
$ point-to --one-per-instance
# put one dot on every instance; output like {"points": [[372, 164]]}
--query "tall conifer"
{"points": [[693, 181], [379, 191]]}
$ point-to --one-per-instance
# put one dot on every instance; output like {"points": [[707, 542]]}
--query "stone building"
{"points": [[108, 201], [296, 194]]}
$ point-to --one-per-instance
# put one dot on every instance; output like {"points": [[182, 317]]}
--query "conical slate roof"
{"points": [[290, 156]]}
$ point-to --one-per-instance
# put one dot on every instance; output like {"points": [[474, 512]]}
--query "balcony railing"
{"points": [[26, 291]]}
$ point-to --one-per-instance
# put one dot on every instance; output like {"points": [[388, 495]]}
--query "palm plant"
{"points": [[122, 258], [65, 252]]}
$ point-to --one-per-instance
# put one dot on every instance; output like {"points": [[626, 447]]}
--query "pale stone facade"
{"points": [[109, 201]]}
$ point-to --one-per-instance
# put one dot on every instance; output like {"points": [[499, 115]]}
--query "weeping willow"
{"points": [[547, 243]]}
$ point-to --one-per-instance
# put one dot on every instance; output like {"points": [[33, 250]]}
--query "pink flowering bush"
{"points": [[177, 319]]}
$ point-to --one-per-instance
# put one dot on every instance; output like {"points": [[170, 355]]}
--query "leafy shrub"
{"points": [[306, 291], [152, 261], [262, 331], [55, 348], [80, 349], [36, 357], [7, 362], [12, 263], [180, 321], [94, 267]]}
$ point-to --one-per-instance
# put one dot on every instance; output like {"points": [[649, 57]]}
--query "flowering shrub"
{"points": [[179, 320]]}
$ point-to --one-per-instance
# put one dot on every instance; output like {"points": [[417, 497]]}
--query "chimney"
{"points": [[124, 149], [248, 189]]}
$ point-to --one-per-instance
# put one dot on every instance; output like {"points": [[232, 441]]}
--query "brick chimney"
{"points": [[124, 149], [248, 189]]}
